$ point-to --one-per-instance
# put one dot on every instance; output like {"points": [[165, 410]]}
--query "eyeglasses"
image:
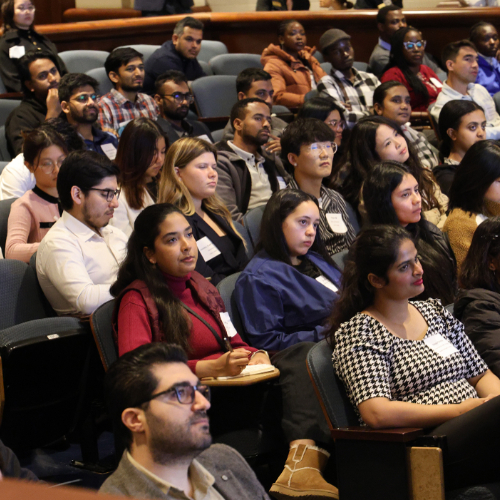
{"points": [[48, 166], [318, 147], [412, 45], [109, 194], [337, 124], [83, 98], [184, 394], [24, 8], [179, 97]]}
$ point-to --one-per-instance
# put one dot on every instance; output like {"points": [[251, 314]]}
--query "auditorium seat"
{"points": [[6, 106], [3, 90], [319, 56], [217, 135], [211, 48], [4, 219], [226, 290], [145, 50], [206, 68], [252, 220], [4, 151], [214, 95], [246, 237], [3, 164], [81, 61], [100, 75], [102, 330], [234, 64]]}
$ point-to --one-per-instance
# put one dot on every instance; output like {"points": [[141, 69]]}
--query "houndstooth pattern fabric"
{"points": [[371, 362]]}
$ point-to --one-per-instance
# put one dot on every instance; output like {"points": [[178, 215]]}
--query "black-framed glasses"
{"points": [[179, 97], [336, 124], [84, 98], [109, 194], [184, 393], [412, 45]]}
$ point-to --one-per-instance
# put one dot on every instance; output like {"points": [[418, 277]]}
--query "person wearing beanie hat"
{"points": [[348, 87]]}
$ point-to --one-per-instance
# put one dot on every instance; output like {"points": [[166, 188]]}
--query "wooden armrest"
{"points": [[401, 435], [12, 95], [241, 381], [419, 115]]}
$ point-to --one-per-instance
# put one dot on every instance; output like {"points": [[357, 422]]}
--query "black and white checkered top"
{"points": [[373, 363]]}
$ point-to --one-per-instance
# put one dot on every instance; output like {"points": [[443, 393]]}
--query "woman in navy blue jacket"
{"points": [[287, 291]]}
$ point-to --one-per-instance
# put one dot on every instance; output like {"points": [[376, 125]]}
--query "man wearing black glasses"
{"points": [[173, 97], [159, 412], [78, 259], [77, 93]]}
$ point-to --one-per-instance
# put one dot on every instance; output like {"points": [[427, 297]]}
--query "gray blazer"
{"points": [[234, 479], [148, 4]]}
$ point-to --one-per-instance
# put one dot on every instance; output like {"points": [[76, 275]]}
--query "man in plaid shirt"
{"points": [[125, 69], [350, 88]]}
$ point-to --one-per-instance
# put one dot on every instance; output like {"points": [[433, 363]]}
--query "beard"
{"points": [[178, 115], [169, 444], [132, 88], [258, 139], [86, 116]]}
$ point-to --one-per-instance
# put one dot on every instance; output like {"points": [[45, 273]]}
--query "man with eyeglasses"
{"points": [[40, 79], [123, 103], [461, 60], [255, 82], [78, 259], [173, 98], [348, 87], [248, 174], [159, 412], [180, 53], [77, 93]]}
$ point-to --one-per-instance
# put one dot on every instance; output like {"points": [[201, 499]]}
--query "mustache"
{"points": [[199, 415]]}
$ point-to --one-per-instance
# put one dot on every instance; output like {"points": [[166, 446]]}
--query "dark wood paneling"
{"points": [[253, 31]]}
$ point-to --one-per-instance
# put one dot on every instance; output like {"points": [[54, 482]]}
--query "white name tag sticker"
{"points": [[109, 151], [205, 137], [17, 51], [281, 182], [440, 345], [207, 249], [326, 282], [436, 82], [228, 324], [336, 223]]}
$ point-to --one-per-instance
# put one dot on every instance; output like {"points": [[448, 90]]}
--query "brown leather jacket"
{"points": [[290, 77]]}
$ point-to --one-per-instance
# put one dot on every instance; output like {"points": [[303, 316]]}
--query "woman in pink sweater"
{"points": [[32, 215]]}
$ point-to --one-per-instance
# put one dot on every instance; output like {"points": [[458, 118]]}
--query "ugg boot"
{"points": [[302, 477]]}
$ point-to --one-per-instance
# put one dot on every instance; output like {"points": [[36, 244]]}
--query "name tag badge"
{"points": [[207, 249], [326, 282], [336, 223], [109, 151], [228, 324], [440, 345], [436, 82], [281, 182], [17, 51], [205, 137]]}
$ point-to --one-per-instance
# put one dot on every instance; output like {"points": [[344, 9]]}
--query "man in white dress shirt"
{"points": [[78, 259]]}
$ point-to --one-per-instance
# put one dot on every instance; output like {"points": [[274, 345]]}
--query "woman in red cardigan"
{"points": [[161, 298], [405, 66]]}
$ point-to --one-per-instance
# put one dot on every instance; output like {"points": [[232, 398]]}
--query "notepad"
{"points": [[251, 370]]}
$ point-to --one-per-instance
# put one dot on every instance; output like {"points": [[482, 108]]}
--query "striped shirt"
{"points": [[427, 153], [356, 95], [332, 203], [115, 111]]}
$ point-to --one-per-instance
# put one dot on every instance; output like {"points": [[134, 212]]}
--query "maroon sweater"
{"points": [[134, 320]]}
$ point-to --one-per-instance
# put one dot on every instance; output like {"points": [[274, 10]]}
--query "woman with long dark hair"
{"points": [[392, 100], [375, 139], [461, 124], [291, 280], [478, 302], [405, 66], [391, 195], [189, 180], [19, 36], [474, 195], [161, 298], [140, 157], [34, 213], [410, 364], [291, 64]]}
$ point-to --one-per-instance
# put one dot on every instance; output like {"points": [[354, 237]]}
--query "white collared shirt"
{"points": [[201, 480], [76, 266], [479, 95], [124, 215], [16, 179], [261, 187]]}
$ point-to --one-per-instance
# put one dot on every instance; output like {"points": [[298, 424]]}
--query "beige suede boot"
{"points": [[302, 477]]}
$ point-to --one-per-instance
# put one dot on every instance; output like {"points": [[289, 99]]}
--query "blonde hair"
{"points": [[173, 190]]}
